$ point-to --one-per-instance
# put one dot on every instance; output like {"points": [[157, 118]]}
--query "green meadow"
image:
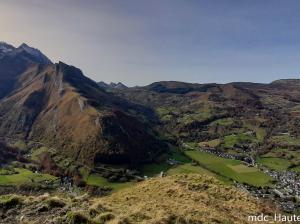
{"points": [[229, 168], [226, 170], [97, 180], [281, 159], [274, 163], [191, 161], [24, 176]]}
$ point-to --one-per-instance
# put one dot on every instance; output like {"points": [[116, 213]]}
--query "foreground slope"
{"points": [[178, 199], [183, 199]]}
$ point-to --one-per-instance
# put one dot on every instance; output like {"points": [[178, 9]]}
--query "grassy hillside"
{"points": [[239, 118], [96, 180], [179, 199], [281, 159]]}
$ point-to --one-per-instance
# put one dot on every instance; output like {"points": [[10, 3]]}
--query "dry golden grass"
{"points": [[180, 199]]}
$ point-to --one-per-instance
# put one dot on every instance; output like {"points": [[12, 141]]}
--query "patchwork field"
{"points": [[274, 163], [226, 170], [188, 168], [229, 168], [285, 140], [97, 180], [230, 140], [24, 176], [281, 159], [153, 169]]}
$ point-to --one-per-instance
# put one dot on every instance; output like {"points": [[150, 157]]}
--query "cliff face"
{"points": [[60, 107]]}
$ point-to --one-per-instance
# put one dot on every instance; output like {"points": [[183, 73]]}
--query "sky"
{"points": [[138, 42]]}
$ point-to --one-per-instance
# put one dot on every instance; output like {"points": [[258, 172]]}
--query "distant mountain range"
{"points": [[112, 85]]}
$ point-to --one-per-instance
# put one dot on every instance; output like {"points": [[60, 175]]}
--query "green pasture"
{"points": [[229, 168]]}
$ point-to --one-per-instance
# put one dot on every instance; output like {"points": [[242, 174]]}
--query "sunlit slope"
{"points": [[181, 199]]}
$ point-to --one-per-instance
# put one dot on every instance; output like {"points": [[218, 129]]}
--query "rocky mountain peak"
{"points": [[118, 85], [5, 48], [112, 85], [35, 53]]}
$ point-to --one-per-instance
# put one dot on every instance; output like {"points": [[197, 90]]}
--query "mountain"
{"points": [[41, 101], [112, 85], [5, 48], [103, 85], [118, 85], [55, 104], [33, 54], [225, 114], [177, 87], [36, 54], [287, 81], [56, 122], [88, 121], [15, 61]]}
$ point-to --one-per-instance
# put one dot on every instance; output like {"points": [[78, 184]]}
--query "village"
{"points": [[286, 190]]}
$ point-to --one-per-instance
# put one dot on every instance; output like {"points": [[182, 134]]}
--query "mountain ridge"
{"points": [[43, 102], [112, 85], [56, 104]]}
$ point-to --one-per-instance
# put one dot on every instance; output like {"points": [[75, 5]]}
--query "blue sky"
{"points": [[141, 41]]}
